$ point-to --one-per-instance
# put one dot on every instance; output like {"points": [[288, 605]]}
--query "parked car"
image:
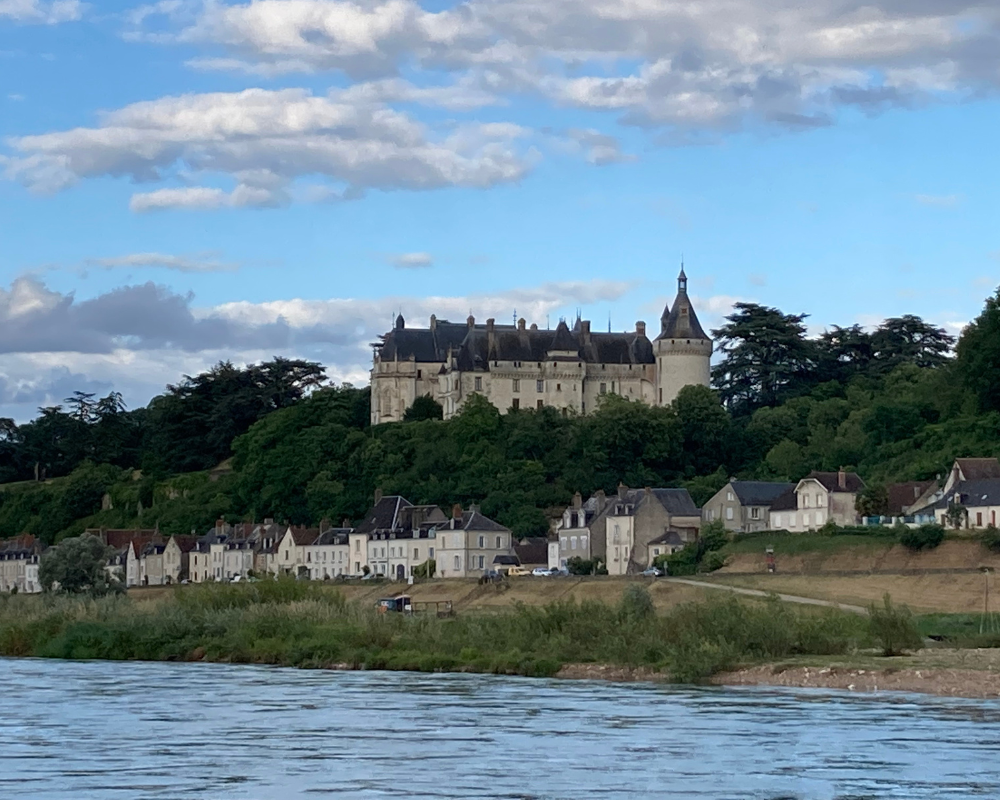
{"points": [[653, 572], [515, 572], [541, 572]]}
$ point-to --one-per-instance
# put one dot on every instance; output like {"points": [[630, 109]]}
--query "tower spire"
{"points": [[682, 279]]}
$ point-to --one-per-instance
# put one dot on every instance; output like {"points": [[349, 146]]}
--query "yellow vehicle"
{"points": [[514, 572]]}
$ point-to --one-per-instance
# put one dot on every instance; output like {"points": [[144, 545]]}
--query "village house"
{"points": [[128, 544], [329, 556], [19, 558], [744, 506], [628, 530], [521, 366], [395, 537], [291, 556], [970, 497], [817, 499], [468, 544]]}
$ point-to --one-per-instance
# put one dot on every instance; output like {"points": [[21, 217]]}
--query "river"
{"points": [[89, 730]]}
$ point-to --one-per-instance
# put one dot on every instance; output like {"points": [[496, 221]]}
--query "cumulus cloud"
{"points": [[39, 12], [412, 260], [599, 148], [712, 64], [263, 141], [199, 262]]}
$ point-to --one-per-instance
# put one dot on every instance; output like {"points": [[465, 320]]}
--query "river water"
{"points": [[192, 731]]}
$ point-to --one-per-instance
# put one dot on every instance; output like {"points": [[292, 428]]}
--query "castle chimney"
{"points": [[534, 326], [434, 322], [585, 330], [520, 325], [640, 328], [219, 525], [471, 321], [842, 479], [490, 336]]}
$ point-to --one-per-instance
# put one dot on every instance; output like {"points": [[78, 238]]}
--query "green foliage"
{"points": [[425, 570], [698, 556], [978, 362], [636, 604], [77, 565], [424, 407], [991, 538], [926, 537], [893, 628], [585, 566], [872, 501]]}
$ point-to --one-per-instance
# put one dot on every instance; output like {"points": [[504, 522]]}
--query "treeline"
{"points": [[897, 403]]}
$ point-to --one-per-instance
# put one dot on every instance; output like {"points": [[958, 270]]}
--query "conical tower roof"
{"points": [[681, 322]]}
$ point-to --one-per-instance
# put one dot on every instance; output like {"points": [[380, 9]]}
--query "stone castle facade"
{"points": [[522, 367]]}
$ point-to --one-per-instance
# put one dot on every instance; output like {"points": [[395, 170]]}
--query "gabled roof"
{"points": [[185, 541], [903, 495], [831, 481], [384, 515], [507, 561], [563, 341], [303, 536], [333, 536], [670, 537], [788, 501], [532, 551], [677, 502], [972, 494], [759, 493], [978, 468], [474, 521]]}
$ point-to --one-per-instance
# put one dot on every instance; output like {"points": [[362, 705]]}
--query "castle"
{"points": [[524, 367]]}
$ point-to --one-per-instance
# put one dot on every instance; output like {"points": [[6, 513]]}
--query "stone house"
{"points": [[395, 537], [973, 486], [744, 506], [19, 559], [468, 543], [572, 536], [292, 550], [818, 498], [329, 556]]}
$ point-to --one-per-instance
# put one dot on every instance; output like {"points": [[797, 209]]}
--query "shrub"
{"points": [[991, 538], [636, 603], [712, 561], [893, 628], [926, 537]]}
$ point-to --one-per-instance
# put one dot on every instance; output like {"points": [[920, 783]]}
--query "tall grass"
{"points": [[295, 624]]}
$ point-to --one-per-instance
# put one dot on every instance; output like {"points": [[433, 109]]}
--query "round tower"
{"points": [[683, 349]]}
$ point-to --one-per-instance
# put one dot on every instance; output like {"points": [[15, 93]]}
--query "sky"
{"points": [[202, 180]]}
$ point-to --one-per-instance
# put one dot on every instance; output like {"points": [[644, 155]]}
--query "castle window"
{"points": [[539, 386], [661, 396], [558, 387], [479, 384], [516, 404], [604, 388], [540, 404], [517, 385], [419, 374]]}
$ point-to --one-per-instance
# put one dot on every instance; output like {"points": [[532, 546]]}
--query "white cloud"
{"points": [[39, 12], [712, 64], [15, 98], [263, 141], [412, 260], [199, 262], [940, 201]]}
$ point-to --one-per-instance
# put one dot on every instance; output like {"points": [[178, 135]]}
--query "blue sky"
{"points": [[191, 181]]}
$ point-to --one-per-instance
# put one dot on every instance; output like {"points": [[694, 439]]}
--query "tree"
{"points": [[978, 362], [910, 340], [423, 408], [766, 357], [873, 501], [77, 565], [893, 628], [844, 353]]}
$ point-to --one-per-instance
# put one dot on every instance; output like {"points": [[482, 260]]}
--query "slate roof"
{"points": [[679, 321], [384, 515], [677, 502], [475, 521], [974, 494], [509, 561], [532, 551], [119, 538], [759, 493], [831, 481], [186, 542], [333, 536], [788, 501], [670, 537]]}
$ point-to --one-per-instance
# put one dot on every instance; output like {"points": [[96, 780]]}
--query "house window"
{"points": [[430, 552], [479, 384], [572, 542], [482, 542], [539, 386], [541, 405], [416, 554], [499, 542], [516, 404], [458, 563], [819, 501], [604, 388], [754, 513], [979, 519], [777, 520], [805, 501], [729, 512], [482, 562], [517, 384], [729, 496], [805, 520]]}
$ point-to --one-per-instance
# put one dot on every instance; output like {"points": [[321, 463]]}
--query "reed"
{"points": [[296, 624]]}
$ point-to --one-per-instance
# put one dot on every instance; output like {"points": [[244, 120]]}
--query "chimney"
{"points": [[324, 525], [534, 326], [490, 335], [434, 323], [842, 479], [456, 511], [602, 499], [268, 520], [648, 491], [585, 330], [346, 523], [378, 494], [219, 525], [577, 500], [622, 490], [520, 325], [471, 321], [640, 328]]}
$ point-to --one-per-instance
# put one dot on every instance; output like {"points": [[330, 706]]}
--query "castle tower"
{"points": [[683, 349]]}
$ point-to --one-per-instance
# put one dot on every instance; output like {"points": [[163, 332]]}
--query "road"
{"points": [[788, 598]]}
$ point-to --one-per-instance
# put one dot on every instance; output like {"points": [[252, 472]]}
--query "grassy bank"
{"points": [[297, 624]]}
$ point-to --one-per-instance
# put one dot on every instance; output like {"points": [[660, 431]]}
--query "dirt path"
{"points": [[788, 598]]}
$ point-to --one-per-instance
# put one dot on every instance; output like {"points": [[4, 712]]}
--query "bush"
{"points": [[636, 603], [712, 561], [926, 537], [893, 628], [991, 538]]}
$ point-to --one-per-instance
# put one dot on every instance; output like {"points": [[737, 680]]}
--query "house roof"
{"points": [[333, 536], [831, 481], [759, 493], [978, 468], [304, 536], [903, 495], [679, 321], [119, 538], [185, 541], [384, 515], [532, 551], [788, 501], [508, 561], [473, 520], [677, 502], [973, 494]]}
